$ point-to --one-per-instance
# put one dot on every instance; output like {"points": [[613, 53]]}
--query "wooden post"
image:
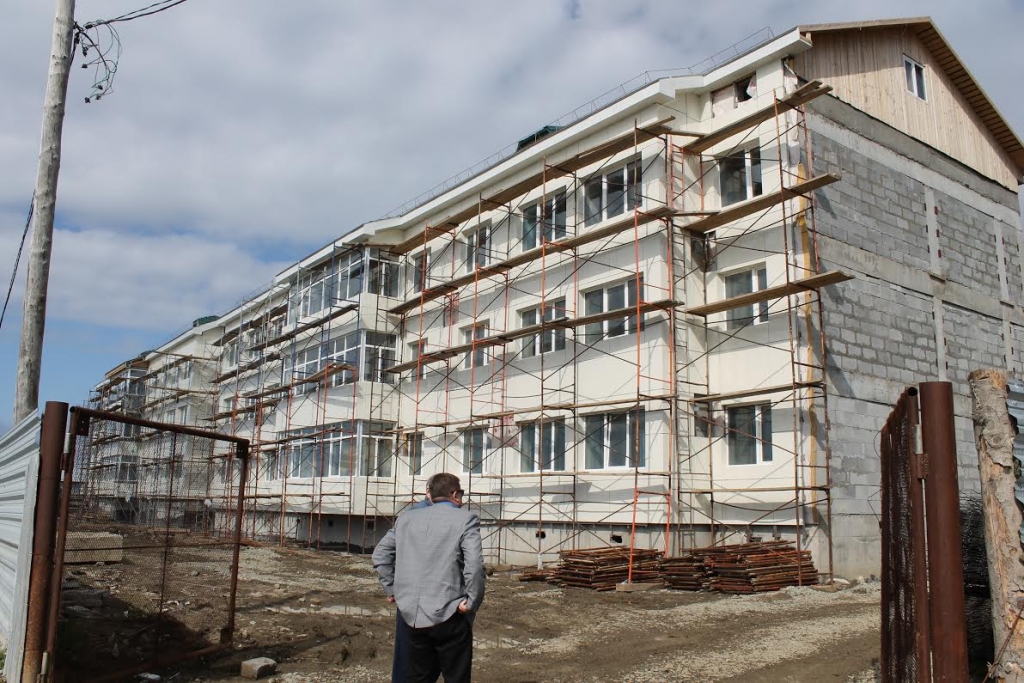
{"points": [[994, 434], [30, 354]]}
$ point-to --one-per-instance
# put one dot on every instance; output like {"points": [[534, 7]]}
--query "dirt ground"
{"points": [[323, 617]]}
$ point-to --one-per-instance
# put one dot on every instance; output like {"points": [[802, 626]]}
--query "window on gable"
{"points": [[915, 77], [746, 282], [551, 339], [615, 440], [542, 444], [478, 247], [544, 219], [613, 193], [740, 176], [750, 434], [612, 298], [476, 357], [474, 443]]}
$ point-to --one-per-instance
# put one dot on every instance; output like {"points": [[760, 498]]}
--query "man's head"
{"points": [[445, 486]]}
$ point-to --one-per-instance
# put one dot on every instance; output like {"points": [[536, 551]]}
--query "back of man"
{"points": [[433, 566]]}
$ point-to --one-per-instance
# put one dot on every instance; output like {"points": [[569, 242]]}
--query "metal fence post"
{"points": [[51, 448], [945, 560]]}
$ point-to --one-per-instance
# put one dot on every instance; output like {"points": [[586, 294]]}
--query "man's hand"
{"points": [[391, 598], [464, 606]]}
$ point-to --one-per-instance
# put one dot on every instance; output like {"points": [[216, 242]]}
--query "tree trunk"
{"points": [[994, 434]]}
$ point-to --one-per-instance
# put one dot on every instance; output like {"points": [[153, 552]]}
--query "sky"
{"points": [[241, 135]]}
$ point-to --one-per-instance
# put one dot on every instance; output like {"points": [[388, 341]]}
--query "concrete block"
{"points": [[87, 547], [258, 668]]}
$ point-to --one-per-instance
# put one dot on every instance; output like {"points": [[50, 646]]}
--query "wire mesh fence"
{"points": [[147, 547]]}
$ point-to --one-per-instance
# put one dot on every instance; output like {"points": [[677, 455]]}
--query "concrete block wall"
{"points": [[924, 237]]}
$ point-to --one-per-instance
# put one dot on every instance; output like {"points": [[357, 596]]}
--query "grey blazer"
{"points": [[430, 562]]}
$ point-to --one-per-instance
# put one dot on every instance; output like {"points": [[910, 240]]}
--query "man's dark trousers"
{"points": [[399, 664], [447, 646]]}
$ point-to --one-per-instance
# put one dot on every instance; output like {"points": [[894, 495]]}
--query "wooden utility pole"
{"points": [[994, 435], [30, 354]]}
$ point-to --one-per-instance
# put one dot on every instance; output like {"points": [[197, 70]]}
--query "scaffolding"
{"points": [[353, 430]]}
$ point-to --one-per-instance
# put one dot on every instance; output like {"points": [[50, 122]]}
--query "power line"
{"points": [[17, 259]]}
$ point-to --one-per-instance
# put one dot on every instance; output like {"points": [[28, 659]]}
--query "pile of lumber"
{"points": [[602, 568], [757, 567], [686, 572], [740, 568], [536, 575]]}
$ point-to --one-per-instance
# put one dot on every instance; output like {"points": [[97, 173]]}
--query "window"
{"points": [[414, 445], [741, 176], [747, 282], [613, 193], [478, 246], [419, 272], [331, 450], [915, 77], [550, 215], [319, 288], [750, 434], [543, 439], [416, 349], [726, 99], [383, 279], [613, 298], [551, 339], [615, 440], [229, 356], [343, 351], [381, 352], [378, 450], [475, 357], [306, 364], [474, 441]]}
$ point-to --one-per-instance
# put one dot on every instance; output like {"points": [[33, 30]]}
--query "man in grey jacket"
{"points": [[432, 567]]}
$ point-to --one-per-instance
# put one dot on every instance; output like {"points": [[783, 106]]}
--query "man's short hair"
{"points": [[443, 485]]}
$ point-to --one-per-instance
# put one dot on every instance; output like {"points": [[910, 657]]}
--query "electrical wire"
{"points": [[17, 259]]}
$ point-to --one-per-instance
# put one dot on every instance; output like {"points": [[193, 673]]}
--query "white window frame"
{"points": [[539, 443], [414, 451], [420, 265], [382, 274], [602, 430], [599, 300], [470, 463], [478, 247], [549, 340], [477, 357], [344, 349], [761, 433], [914, 73], [751, 314], [599, 190], [378, 356], [545, 225], [753, 183]]}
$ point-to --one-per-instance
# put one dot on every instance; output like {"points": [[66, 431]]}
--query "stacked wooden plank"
{"points": [[757, 567], [602, 568], [536, 575], [686, 572]]}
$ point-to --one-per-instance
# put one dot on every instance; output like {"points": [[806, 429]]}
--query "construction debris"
{"points": [[602, 568], [741, 568], [258, 668]]}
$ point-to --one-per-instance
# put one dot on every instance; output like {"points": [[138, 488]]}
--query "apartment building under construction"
{"points": [[678, 320]]}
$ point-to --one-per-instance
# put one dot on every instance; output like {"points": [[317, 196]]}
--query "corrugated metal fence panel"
{"points": [[1015, 405], [19, 473]]}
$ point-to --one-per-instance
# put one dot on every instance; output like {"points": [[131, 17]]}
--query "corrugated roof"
{"points": [[940, 48]]}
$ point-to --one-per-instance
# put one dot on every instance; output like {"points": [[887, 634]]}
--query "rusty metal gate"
{"points": [[924, 636], [147, 546]]}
